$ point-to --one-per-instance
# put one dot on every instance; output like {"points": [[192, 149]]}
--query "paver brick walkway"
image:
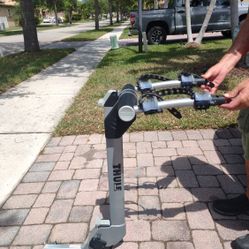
{"points": [[171, 178]]}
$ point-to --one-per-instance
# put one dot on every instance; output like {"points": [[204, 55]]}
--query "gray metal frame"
{"points": [[108, 233]]}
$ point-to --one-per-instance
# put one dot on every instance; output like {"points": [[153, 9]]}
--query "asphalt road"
{"points": [[14, 43]]}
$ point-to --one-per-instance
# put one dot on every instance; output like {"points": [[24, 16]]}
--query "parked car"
{"points": [[47, 20], [158, 23], [52, 20]]}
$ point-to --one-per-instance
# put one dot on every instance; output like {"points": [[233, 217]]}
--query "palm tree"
{"points": [[188, 21], [204, 26]]}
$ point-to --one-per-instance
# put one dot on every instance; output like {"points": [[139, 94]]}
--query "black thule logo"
{"points": [[117, 174]]}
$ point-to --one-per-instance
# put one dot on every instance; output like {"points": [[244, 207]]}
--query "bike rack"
{"points": [[120, 110]]}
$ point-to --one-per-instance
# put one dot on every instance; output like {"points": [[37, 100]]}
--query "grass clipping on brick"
{"points": [[125, 65]]}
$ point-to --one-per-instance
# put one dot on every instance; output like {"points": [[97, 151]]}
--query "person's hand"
{"points": [[216, 74], [239, 97]]}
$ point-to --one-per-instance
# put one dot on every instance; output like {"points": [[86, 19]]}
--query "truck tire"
{"points": [[156, 35], [228, 33]]}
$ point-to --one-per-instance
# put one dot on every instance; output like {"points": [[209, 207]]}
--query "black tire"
{"points": [[242, 21], [227, 33], [156, 35]]}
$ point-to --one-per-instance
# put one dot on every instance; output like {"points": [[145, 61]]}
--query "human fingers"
{"points": [[237, 97], [234, 92], [234, 104], [209, 89], [216, 73]]}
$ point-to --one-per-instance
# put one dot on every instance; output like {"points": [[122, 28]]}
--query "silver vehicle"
{"points": [[158, 23]]}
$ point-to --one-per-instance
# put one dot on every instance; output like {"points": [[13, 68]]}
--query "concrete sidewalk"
{"points": [[171, 178], [30, 112]]}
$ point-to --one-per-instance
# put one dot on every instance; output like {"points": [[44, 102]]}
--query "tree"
{"points": [[117, 10], [55, 5], [188, 21], [97, 10], [155, 4], [110, 3], [204, 26], [69, 7], [89, 8], [31, 43]]}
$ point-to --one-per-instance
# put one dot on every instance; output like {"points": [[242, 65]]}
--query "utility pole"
{"points": [[140, 36]]}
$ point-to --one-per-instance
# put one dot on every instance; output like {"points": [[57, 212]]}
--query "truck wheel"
{"points": [[226, 34], [156, 35]]}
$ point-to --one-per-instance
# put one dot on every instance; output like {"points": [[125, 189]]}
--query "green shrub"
{"points": [[76, 17]]}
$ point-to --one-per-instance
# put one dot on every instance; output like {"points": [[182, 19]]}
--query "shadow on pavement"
{"points": [[203, 180]]}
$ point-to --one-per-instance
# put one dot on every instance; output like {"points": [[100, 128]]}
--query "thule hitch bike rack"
{"points": [[121, 108]]}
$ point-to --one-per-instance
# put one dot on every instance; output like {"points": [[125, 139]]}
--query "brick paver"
{"points": [[59, 211], [6, 217], [206, 240], [171, 179], [32, 235], [7, 234], [170, 230], [68, 233], [36, 216]]}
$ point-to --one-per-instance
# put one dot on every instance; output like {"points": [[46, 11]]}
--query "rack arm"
{"points": [[151, 105]]}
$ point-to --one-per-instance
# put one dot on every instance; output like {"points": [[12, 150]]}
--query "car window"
{"points": [[197, 3], [222, 3], [179, 3], [171, 4]]}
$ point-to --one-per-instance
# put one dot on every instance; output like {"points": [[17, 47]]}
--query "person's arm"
{"points": [[240, 47]]}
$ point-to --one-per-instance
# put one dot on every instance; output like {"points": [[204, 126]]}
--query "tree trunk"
{"points": [[117, 11], [96, 6], [70, 12], [31, 43], [110, 11], [166, 4], [188, 21], [56, 12], [140, 26], [204, 26], [155, 4], [234, 5]]}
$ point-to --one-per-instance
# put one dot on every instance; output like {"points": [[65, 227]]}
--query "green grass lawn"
{"points": [[11, 31], [19, 67], [125, 34], [41, 27], [90, 35], [125, 65]]}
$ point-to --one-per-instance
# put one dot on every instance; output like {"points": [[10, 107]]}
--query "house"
{"points": [[7, 10]]}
